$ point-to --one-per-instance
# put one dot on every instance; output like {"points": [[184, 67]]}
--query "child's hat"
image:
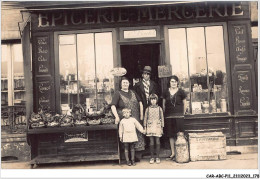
{"points": [[153, 96]]}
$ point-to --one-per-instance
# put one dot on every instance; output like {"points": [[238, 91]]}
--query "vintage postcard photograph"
{"points": [[168, 87]]}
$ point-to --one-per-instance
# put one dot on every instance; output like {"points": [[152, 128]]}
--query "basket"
{"points": [[66, 125], [37, 125], [94, 122], [53, 124], [80, 123], [107, 121]]}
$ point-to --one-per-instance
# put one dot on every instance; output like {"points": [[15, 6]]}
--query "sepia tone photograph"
{"points": [[130, 85]]}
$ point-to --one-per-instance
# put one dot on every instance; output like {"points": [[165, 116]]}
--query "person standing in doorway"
{"points": [[146, 87], [174, 105]]}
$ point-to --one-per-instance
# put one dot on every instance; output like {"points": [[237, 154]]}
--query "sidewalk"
{"points": [[242, 161]]}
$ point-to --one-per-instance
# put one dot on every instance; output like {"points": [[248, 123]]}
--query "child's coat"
{"points": [[127, 129]]}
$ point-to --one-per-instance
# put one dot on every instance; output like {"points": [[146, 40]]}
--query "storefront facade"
{"points": [[206, 44]]}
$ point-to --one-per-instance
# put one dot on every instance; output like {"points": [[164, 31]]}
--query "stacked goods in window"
{"points": [[65, 120], [36, 121], [79, 116], [103, 116]]}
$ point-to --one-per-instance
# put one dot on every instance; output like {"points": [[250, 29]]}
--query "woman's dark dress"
{"points": [[174, 109], [130, 100]]}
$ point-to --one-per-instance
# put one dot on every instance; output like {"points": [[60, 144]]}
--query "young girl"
{"points": [[127, 134], [153, 125]]}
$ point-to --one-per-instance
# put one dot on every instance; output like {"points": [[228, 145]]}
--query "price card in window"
{"points": [[164, 71], [196, 108]]}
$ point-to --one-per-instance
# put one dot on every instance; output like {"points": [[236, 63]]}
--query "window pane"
{"points": [[197, 67], [90, 56], [19, 83], [6, 56], [18, 60], [178, 58], [104, 63], [68, 72], [217, 68], [198, 57], [86, 69]]}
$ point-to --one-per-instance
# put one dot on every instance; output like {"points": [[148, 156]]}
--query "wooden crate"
{"points": [[207, 146]]}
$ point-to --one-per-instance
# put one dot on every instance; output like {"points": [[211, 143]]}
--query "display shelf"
{"points": [[62, 158], [203, 116], [71, 129], [74, 144], [4, 91], [206, 115]]}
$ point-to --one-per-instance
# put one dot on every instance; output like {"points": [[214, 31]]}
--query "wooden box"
{"points": [[207, 146]]}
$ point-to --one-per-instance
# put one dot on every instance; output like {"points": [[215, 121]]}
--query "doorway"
{"points": [[135, 57]]}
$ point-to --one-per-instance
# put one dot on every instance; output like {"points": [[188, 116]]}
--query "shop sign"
{"points": [[132, 34], [118, 71], [177, 12], [76, 137], [164, 71]]}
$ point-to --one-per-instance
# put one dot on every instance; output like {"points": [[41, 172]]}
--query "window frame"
{"points": [[226, 51], [10, 73], [56, 57]]}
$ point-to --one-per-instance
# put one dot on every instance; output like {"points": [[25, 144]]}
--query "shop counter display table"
{"points": [[73, 144]]}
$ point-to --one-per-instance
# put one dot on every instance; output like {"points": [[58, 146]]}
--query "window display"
{"points": [[85, 61], [199, 57]]}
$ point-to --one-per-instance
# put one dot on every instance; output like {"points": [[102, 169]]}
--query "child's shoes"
{"points": [[133, 163], [158, 160], [151, 160], [128, 163]]}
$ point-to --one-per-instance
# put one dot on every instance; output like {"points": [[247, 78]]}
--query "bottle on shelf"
{"points": [[223, 105]]}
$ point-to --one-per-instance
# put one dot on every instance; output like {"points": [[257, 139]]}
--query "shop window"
{"points": [[198, 57], [12, 87], [12, 75], [85, 61]]}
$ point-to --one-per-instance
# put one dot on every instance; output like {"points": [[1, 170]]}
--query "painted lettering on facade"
{"points": [[43, 69], [244, 102], [240, 43], [42, 58], [140, 14], [44, 87], [242, 77], [244, 90], [43, 102]]}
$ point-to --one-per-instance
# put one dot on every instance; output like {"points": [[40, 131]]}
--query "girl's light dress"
{"points": [[154, 121]]}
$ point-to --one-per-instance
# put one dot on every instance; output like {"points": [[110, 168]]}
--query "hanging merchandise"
{"points": [[182, 149]]}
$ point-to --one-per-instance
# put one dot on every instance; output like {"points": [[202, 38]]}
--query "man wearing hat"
{"points": [[145, 87]]}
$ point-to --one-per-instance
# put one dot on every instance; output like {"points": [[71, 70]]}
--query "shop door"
{"points": [[135, 57]]}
